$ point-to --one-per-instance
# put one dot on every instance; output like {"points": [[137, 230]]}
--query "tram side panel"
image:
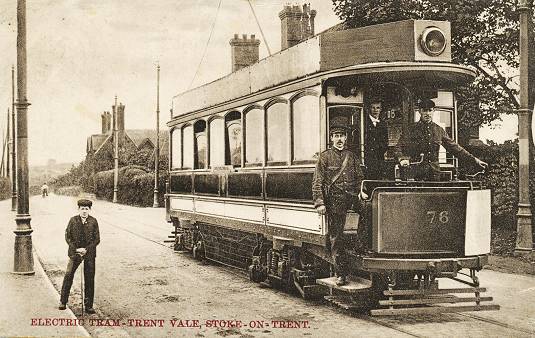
{"points": [[286, 213]]}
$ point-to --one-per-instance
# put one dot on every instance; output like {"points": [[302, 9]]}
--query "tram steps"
{"points": [[404, 302]]}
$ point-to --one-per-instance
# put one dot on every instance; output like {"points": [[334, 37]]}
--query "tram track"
{"points": [[496, 322], [241, 274], [384, 322]]}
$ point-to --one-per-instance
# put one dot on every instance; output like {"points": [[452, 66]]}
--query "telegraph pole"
{"points": [[524, 239], [115, 152], [14, 147], [23, 259], [156, 203], [8, 150]]}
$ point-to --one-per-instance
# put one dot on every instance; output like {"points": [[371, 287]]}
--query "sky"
{"points": [[81, 53]]}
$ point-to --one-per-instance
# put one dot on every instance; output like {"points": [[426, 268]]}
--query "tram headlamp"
{"points": [[433, 41]]}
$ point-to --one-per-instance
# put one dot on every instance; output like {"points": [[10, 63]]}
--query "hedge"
{"points": [[501, 178], [5, 188], [135, 186], [73, 190]]}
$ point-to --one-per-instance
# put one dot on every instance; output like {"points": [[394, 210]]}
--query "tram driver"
{"points": [[421, 143], [336, 180]]}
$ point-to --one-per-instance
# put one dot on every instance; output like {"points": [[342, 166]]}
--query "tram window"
{"points": [[277, 133], [254, 136], [176, 149], [350, 116], [217, 136], [200, 145], [233, 139], [444, 99], [305, 129], [187, 140]]}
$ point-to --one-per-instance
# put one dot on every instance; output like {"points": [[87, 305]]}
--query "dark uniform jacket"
{"points": [[426, 138], [80, 235], [375, 146], [335, 196]]}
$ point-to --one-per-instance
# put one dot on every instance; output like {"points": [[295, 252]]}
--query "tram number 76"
{"points": [[436, 217]]}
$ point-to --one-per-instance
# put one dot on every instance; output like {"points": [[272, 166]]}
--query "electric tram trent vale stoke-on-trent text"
{"points": [[244, 150]]}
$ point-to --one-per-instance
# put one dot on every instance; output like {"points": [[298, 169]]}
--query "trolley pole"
{"points": [[14, 145], [524, 239], [23, 259], [156, 203], [115, 152]]}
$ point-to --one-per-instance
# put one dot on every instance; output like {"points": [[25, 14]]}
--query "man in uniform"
{"points": [[376, 142], [425, 138], [337, 175], [82, 236]]}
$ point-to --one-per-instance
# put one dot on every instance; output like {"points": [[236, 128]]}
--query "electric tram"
{"points": [[243, 152]]}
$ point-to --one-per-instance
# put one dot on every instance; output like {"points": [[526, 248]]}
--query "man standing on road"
{"points": [[82, 236], [336, 178], [421, 143], [44, 189]]}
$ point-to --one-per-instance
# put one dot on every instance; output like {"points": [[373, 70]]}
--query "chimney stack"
{"points": [[244, 51], [104, 122], [120, 117], [109, 121], [296, 25]]}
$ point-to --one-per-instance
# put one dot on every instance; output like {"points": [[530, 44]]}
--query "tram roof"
{"points": [[372, 49]]}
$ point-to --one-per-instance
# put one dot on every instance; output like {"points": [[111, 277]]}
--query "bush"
{"points": [[73, 190], [501, 178], [5, 188], [135, 186]]}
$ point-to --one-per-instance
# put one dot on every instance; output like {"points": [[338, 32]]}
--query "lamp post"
{"points": [[524, 239], [156, 203], [115, 152], [13, 145], [23, 258]]}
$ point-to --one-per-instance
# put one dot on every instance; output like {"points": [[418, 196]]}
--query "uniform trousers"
{"points": [[338, 243], [89, 279]]}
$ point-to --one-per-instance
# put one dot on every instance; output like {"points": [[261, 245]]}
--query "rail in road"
{"points": [[163, 284]]}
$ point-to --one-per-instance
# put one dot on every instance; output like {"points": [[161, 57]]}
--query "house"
{"points": [[100, 147]]}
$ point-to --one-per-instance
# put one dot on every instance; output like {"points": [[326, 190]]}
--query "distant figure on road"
{"points": [[44, 189], [82, 236]]}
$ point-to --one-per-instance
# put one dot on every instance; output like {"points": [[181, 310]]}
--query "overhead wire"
{"points": [[259, 27], [206, 46]]}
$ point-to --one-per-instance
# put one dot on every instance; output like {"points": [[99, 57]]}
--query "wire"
{"points": [[259, 27], [206, 46]]}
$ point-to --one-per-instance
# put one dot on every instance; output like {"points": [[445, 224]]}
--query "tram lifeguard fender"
{"points": [[431, 221]]}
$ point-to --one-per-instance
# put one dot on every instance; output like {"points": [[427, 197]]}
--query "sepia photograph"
{"points": [[267, 168]]}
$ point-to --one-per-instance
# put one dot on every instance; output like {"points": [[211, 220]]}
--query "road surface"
{"points": [[145, 289]]}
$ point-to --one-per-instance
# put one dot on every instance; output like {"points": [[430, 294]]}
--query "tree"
{"points": [[485, 35]]}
